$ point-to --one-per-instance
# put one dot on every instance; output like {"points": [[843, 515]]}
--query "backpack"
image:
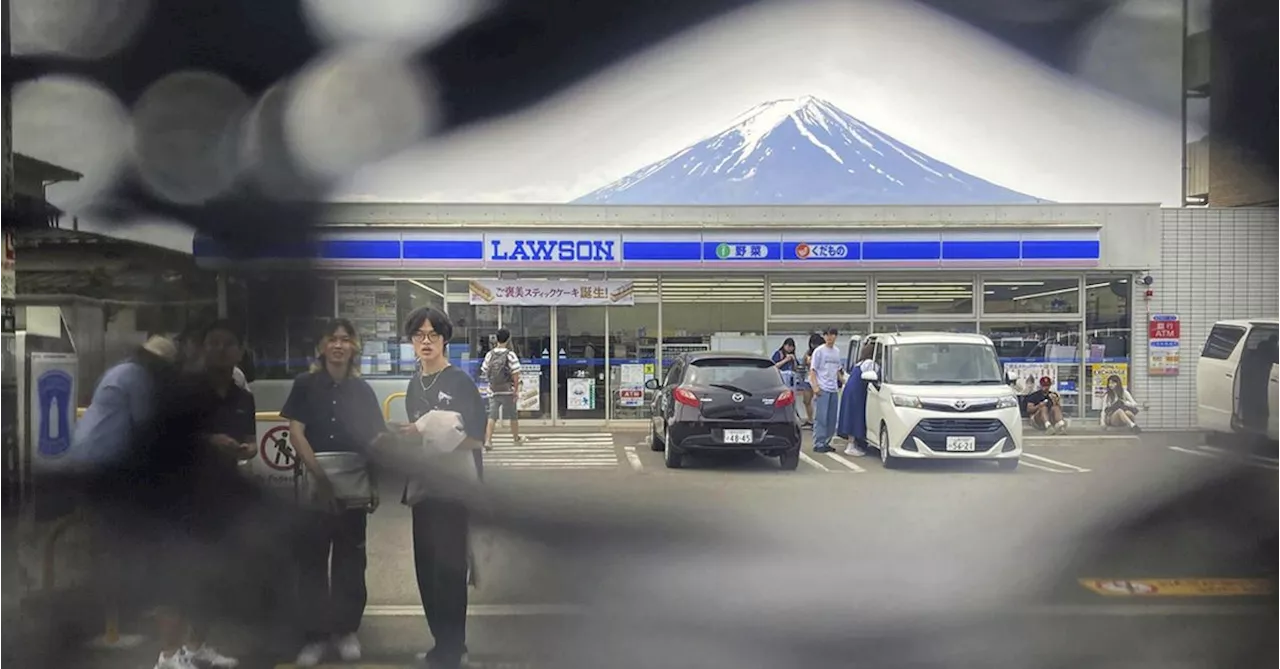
{"points": [[498, 370]]}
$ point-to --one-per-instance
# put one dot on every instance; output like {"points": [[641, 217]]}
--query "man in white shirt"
{"points": [[826, 375], [502, 370]]}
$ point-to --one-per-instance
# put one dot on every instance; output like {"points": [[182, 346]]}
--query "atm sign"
{"points": [[822, 251]]}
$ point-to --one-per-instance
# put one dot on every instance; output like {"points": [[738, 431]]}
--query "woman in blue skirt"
{"points": [[852, 424]]}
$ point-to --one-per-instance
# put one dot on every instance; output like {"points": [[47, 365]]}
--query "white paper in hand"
{"points": [[442, 431]]}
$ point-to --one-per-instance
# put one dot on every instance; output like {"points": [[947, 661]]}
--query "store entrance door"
{"points": [[580, 363], [562, 362], [532, 340]]}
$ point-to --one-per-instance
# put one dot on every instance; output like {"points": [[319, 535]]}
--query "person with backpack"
{"points": [[501, 369]]}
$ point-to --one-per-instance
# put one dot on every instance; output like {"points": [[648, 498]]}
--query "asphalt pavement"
{"points": [[1100, 550]]}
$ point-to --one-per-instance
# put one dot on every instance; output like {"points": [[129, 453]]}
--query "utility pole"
{"points": [[9, 439]]}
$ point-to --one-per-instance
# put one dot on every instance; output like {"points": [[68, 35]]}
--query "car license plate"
{"points": [[737, 437], [962, 444]]}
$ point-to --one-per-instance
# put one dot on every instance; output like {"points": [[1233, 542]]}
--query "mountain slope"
{"points": [[800, 151]]}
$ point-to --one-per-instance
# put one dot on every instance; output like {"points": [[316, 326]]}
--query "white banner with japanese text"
{"points": [[543, 292]]}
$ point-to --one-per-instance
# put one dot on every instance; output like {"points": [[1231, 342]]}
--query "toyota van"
{"points": [[1236, 380], [941, 395]]}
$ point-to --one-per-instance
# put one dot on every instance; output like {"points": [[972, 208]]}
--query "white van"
{"points": [[941, 395], [1236, 379]]}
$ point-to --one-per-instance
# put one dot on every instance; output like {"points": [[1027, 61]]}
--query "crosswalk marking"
{"points": [[568, 450]]}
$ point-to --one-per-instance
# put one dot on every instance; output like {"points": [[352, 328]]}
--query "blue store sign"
{"points": [[685, 248], [530, 249]]}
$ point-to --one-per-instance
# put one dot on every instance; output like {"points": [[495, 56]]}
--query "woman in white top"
{"points": [[852, 424], [1119, 409]]}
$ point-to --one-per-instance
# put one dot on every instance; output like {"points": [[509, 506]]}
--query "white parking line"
{"points": [[1043, 468], [1041, 458], [811, 462], [1250, 459], [846, 463], [633, 459]]}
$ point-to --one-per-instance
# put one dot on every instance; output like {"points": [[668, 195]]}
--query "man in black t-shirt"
{"points": [[453, 414], [1044, 406]]}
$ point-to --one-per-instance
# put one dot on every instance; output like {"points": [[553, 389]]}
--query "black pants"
{"points": [[332, 601], [440, 560]]}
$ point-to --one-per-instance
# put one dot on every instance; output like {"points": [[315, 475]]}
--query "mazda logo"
{"points": [[737, 397]]}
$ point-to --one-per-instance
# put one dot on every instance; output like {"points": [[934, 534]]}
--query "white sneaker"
{"points": [[310, 655], [206, 656], [177, 660], [348, 648], [854, 451], [1061, 427]]}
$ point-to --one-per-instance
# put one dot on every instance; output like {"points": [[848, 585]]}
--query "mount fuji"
{"points": [[801, 151]]}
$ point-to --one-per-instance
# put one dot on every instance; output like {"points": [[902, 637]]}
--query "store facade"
{"points": [[599, 299]]}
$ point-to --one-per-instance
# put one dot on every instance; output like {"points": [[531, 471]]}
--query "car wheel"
{"points": [[790, 460], [1007, 465], [654, 442], [674, 459], [887, 460]]}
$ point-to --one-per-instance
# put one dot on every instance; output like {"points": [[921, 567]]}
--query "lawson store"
{"points": [[598, 299]]}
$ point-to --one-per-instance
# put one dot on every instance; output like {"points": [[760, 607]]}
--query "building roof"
{"points": [[44, 171]]}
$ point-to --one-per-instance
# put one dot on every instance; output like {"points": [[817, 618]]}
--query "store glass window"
{"points": [[633, 351], [472, 327], [411, 294], [1031, 295], [816, 296], [1033, 351], [701, 313], [923, 296], [372, 306], [282, 315], [1108, 314]]}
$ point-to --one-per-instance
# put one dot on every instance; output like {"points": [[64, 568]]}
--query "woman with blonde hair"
{"points": [[333, 413]]}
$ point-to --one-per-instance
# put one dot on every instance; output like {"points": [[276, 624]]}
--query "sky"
{"points": [[918, 76], [930, 82]]}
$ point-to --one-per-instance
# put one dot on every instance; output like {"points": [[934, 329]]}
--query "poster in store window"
{"points": [[631, 385], [530, 398], [1098, 375], [582, 394], [1029, 375]]}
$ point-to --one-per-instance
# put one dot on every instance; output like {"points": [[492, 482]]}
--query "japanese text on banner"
{"points": [[537, 292]]}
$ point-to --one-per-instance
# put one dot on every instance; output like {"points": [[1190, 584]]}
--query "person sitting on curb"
{"points": [[1044, 406], [1119, 409]]}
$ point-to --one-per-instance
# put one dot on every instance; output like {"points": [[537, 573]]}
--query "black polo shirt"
{"points": [[339, 415], [231, 414]]}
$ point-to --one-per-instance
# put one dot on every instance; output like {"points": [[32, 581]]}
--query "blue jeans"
{"points": [[826, 408]]}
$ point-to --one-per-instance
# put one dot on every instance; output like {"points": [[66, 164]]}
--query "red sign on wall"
{"points": [[1164, 327]]}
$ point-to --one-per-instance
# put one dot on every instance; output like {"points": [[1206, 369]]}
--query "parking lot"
{"points": [[1072, 454]]}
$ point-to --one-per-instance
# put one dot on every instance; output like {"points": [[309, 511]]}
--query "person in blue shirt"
{"points": [[784, 360]]}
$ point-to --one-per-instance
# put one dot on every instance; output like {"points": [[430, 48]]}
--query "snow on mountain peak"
{"points": [[800, 150]]}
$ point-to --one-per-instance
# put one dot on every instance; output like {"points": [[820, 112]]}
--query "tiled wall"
{"points": [[1216, 264]]}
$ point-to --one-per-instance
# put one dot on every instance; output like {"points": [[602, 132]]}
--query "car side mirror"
{"points": [[651, 384], [1011, 375], [870, 376]]}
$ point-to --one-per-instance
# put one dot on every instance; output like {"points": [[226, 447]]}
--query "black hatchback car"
{"points": [[724, 402]]}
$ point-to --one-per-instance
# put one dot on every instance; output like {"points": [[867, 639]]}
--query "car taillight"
{"points": [[687, 398], [786, 399]]}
